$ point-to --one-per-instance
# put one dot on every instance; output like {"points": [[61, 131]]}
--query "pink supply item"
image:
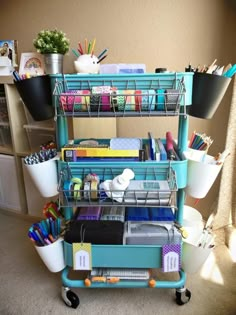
{"points": [[75, 100]]}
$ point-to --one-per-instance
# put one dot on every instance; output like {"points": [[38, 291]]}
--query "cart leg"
{"points": [[183, 296], [69, 297]]}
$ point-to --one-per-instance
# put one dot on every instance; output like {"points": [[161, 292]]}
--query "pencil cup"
{"points": [[44, 175], [201, 176], [52, 255], [196, 155], [87, 63], [193, 257], [208, 92], [36, 95]]}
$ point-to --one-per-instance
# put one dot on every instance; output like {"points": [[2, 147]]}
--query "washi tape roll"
{"points": [[94, 189], [74, 101], [126, 100], [138, 100], [77, 192], [106, 102], [94, 103], [87, 187], [160, 103], [67, 185], [172, 99], [81, 103], [148, 100]]}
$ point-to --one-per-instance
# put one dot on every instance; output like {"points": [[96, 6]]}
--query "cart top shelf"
{"points": [[174, 80]]}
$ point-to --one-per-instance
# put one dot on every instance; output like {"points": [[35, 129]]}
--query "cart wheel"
{"points": [[69, 297], [183, 296]]}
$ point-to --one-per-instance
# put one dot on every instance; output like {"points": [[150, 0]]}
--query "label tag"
{"points": [[171, 257], [82, 258]]}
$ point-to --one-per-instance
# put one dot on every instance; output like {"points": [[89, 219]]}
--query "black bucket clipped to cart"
{"points": [[208, 92], [37, 97]]}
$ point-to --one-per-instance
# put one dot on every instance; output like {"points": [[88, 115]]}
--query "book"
{"points": [[152, 146], [9, 48], [163, 153], [74, 153]]}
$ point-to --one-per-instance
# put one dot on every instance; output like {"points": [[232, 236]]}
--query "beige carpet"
{"points": [[27, 287]]}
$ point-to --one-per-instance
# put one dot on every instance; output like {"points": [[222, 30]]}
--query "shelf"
{"points": [[107, 171], [144, 95]]}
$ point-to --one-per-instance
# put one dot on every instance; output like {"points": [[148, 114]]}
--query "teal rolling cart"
{"points": [[167, 94]]}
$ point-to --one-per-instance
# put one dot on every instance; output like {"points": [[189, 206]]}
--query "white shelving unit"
{"points": [[20, 135]]}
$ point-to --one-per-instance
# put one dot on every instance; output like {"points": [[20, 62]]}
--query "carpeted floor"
{"points": [[28, 288]]}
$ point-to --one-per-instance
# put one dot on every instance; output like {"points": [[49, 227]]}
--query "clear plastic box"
{"points": [[38, 135]]}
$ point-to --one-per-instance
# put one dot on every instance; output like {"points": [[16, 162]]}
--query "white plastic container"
{"points": [[44, 176], [52, 255], [192, 223], [201, 176], [122, 68], [194, 257]]}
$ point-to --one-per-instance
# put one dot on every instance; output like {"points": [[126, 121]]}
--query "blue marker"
{"points": [[229, 73]]}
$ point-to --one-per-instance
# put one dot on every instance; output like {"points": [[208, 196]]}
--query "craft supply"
{"points": [[200, 141]]}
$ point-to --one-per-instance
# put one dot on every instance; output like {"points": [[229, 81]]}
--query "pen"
{"points": [[102, 58], [75, 53], [93, 46], [80, 49], [230, 72], [102, 53]]}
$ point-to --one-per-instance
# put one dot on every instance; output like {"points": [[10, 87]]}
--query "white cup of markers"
{"points": [[46, 237]]}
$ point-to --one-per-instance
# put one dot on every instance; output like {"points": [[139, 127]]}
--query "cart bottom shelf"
{"points": [[151, 283]]}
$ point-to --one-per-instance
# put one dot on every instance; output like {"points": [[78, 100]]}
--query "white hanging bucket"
{"points": [[44, 175], [201, 176], [52, 255]]}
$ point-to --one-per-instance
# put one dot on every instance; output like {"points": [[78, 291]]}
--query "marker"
{"points": [[75, 53], [102, 53], [102, 58], [230, 72]]}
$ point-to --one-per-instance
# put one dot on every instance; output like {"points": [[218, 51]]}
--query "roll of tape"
{"points": [[94, 189], [77, 192], [76, 180], [87, 186], [67, 188], [172, 98]]}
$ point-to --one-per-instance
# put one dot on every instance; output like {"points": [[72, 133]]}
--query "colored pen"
{"points": [[80, 49], [102, 53], [102, 58], [75, 53], [93, 46], [86, 45]]}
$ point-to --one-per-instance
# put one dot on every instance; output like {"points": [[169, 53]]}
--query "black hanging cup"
{"points": [[208, 92], [36, 95]]}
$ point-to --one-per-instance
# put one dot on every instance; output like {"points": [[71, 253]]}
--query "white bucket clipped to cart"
{"points": [[42, 168], [52, 255], [202, 173], [198, 246]]}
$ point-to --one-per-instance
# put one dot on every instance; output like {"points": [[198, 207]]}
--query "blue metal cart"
{"points": [[160, 104]]}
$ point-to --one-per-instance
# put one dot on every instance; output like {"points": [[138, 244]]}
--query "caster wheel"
{"points": [[182, 296], [70, 298]]}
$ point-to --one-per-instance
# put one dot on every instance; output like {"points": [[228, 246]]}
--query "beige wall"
{"points": [[168, 33]]}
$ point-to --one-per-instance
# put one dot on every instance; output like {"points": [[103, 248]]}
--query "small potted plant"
{"points": [[53, 44]]}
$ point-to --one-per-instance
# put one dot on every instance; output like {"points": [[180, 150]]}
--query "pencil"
{"points": [[89, 47], [102, 58], [93, 46], [86, 45]]}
